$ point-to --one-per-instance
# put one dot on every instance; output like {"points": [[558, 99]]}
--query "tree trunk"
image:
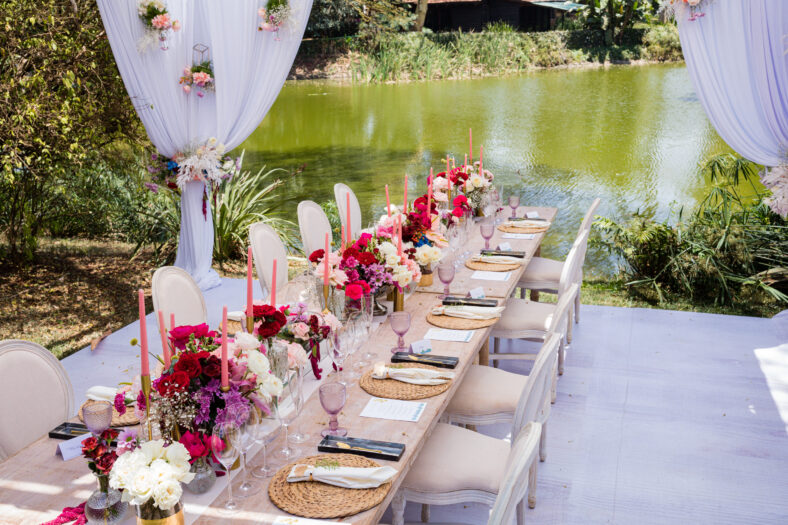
{"points": [[610, 26], [629, 10], [421, 15]]}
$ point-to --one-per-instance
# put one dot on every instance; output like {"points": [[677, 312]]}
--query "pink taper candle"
{"points": [[388, 201], [481, 160], [448, 169], [325, 263], [165, 348], [405, 197], [225, 369], [342, 246], [273, 285], [429, 200], [347, 207], [399, 235], [470, 143], [172, 321], [466, 159], [145, 364], [249, 299]]}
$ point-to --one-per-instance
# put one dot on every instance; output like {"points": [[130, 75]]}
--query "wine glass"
{"points": [[225, 447], [259, 431], [514, 202], [455, 241], [367, 313], [332, 398], [246, 440], [446, 275], [277, 356], [296, 436], [97, 417], [400, 323], [487, 228]]}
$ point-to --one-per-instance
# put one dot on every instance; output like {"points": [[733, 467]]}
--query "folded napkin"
{"points": [[414, 376], [346, 477], [236, 316], [527, 223], [101, 393], [497, 259], [465, 311]]}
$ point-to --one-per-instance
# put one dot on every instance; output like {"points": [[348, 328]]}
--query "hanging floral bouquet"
{"points": [[199, 76], [303, 334], [273, 16], [158, 23], [695, 7], [150, 477]]}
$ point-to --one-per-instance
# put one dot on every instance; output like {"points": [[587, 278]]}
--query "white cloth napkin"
{"points": [[498, 259], [414, 376], [465, 311], [101, 393], [346, 477], [236, 316], [525, 223]]}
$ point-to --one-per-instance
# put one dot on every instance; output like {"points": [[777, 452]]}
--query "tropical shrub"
{"points": [[730, 249]]}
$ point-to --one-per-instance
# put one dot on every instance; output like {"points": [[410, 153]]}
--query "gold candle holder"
{"points": [[146, 388], [399, 300], [250, 324], [325, 298]]}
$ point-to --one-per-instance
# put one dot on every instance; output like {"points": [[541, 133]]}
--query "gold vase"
{"points": [[399, 300], [173, 516], [426, 276]]}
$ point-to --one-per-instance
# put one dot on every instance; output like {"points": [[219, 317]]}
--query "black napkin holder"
{"points": [[469, 301], [368, 448], [441, 361]]}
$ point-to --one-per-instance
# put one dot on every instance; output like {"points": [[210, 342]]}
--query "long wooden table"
{"points": [[35, 484]]}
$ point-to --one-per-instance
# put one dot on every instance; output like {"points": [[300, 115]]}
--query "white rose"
{"points": [[272, 385], [386, 248], [393, 259], [152, 450], [246, 342], [257, 363], [476, 181], [179, 457], [167, 493], [141, 488]]}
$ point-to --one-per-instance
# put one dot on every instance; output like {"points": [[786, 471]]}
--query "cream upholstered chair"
{"points": [[457, 465], [267, 247], [516, 479], [340, 192], [542, 274], [35, 394], [314, 226], [524, 319], [489, 395], [175, 292]]}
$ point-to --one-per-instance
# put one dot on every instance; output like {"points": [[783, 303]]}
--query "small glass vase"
{"points": [[104, 505], [204, 477], [149, 514]]}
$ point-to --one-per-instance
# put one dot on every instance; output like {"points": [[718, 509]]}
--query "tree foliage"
{"points": [[615, 16], [63, 106]]}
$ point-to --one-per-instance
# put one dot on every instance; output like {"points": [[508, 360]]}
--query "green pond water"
{"points": [[634, 136]]}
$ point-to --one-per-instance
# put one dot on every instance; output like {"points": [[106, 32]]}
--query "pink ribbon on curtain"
{"points": [[70, 514]]}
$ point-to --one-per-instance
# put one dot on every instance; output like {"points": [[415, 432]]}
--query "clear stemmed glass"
{"points": [[487, 228], [332, 398], [514, 202], [296, 436], [367, 313], [224, 443], [338, 350], [400, 323], [246, 440], [259, 432], [446, 275], [353, 328], [277, 356], [97, 417], [455, 241]]}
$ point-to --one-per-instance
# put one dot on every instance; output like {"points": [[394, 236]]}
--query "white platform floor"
{"points": [[662, 417]]}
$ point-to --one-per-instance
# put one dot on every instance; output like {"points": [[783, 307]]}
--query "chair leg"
{"points": [[561, 358], [543, 443], [577, 307], [569, 327], [554, 387], [531, 486], [535, 295], [520, 513], [425, 513], [398, 510]]}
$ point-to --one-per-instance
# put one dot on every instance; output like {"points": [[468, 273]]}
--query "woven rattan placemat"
{"points": [[312, 499], [126, 420], [393, 389], [458, 323], [491, 267]]}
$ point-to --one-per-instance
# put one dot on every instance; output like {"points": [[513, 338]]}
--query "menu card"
{"points": [[393, 409], [444, 334], [532, 214], [518, 236], [72, 448], [491, 276]]}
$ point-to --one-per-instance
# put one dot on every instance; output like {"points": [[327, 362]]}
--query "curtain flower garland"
{"points": [[695, 7], [158, 23]]}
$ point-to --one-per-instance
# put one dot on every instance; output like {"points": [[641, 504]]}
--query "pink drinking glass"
{"points": [[487, 228], [446, 275], [332, 398], [514, 202], [98, 417], [400, 323]]}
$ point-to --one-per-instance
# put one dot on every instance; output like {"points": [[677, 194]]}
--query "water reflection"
{"points": [[634, 136]]}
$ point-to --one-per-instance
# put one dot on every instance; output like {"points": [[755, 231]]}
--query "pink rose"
{"points": [[201, 78], [187, 88], [301, 331], [296, 356], [176, 25], [161, 21]]}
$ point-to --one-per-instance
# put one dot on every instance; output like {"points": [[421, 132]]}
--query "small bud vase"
{"points": [[149, 514], [104, 506], [426, 276], [204, 477]]}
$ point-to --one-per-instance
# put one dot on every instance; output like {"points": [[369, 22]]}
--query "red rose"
{"points": [[263, 310], [163, 385], [350, 252], [89, 445], [363, 241], [180, 334], [109, 435], [457, 212], [195, 444], [353, 291], [190, 364], [202, 354], [104, 463], [213, 368], [269, 329], [316, 255], [180, 380], [460, 200], [366, 258]]}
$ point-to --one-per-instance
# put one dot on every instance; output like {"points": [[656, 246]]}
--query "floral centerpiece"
{"points": [[157, 22], [448, 183], [199, 76], [305, 331], [105, 504], [476, 186], [150, 477]]}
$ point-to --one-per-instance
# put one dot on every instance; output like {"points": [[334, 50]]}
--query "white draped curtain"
{"points": [[249, 67], [737, 56]]}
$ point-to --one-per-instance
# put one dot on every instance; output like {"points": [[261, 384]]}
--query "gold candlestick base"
{"points": [[250, 324], [326, 290], [146, 389], [399, 300]]}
